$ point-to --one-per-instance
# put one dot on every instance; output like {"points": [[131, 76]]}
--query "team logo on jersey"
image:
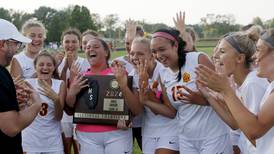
{"points": [[186, 77]]}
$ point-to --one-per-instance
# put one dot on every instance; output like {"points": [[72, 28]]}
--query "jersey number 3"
{"points": [[44, 109]]}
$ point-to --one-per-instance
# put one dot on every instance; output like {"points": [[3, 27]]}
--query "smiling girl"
{"points": [[258, 126], [44, 134], [71, 44], [99, 139], [22, 63]]}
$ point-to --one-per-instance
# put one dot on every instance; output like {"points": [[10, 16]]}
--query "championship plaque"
{"points": [[102, 102]]}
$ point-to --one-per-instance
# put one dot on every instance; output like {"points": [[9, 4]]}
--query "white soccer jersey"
{"points": [[26, 64], [82, 62], [155, 125], [126, 64], [44, 133], [84, 66], [265, 144], [196, 122], [251, 93]]}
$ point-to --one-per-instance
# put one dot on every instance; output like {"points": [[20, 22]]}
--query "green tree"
{"points": [[81, 19], [269, 23], [44, 14], [58, 23], [258, 21], [150, 28], [109, 22], [98, 21], [217, 25], [19, 18], [5, 14]]}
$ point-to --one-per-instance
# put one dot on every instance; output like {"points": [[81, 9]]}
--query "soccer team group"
{"points": [[182, 100]]}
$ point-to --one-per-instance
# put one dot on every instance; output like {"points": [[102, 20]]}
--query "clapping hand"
{"points": [[119, 73], [22, 92], [191, 97], [74, 70], [69, 58], [59, 56], [218, 82], [47, 91], [78, 83]]}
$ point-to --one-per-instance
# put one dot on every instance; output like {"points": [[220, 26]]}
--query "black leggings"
{"points": [[137, 135]]}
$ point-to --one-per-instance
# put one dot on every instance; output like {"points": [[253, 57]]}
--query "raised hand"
{"points": [[18, 81], [179, 22], [143, 92], [119, 73], [74, 70], [77, 84], [22, 93], [59, 56], [142, 70], [34, 95], [69, 58], [131, 29], [46, 90]]}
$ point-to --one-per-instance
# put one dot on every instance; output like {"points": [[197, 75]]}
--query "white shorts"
{"points": [[118, 141], [67, 129], [218, 145], [151, 144], [58, 152]]}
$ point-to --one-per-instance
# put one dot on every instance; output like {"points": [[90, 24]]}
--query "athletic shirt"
{"points": [[26, 64], [155, 125], [265, 144], [196, 122], [94, 127], [84, 65], [251, 93], [44, 133], [125, 63], [137, 120]]}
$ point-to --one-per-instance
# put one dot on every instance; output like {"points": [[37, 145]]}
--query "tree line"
{"points": [[56, 21]]}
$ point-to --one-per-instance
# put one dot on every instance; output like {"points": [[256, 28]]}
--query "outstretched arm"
{"points": [[12, 122]]}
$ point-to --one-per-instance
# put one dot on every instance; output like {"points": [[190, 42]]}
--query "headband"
{"points": [[164, 35], [230, 39], [268, 39]]}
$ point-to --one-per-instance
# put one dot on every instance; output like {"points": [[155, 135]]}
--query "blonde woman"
{"points": [[22, 63], [258, 126]]}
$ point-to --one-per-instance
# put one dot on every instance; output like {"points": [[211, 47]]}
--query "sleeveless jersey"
{"points": [[251, 93], [44, 133], [196, 122], [155, 125], [26, 64], [265, 144]]}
